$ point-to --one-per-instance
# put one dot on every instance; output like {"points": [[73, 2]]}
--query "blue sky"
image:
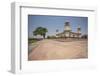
{"points": [[56, 22]]}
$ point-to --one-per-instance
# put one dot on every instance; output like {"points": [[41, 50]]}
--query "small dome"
{"points": [[66, 23], [79, 28]]}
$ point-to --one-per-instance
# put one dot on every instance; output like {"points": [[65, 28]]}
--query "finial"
{"points": [[79, 26]]}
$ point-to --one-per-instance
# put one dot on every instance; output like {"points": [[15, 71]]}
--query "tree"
{"points": [[40, 31]]}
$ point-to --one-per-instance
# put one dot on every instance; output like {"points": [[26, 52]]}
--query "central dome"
{"points": [[67, 26]]}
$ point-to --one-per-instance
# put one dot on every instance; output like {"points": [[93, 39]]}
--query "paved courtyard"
{"points": [[52, 49]]}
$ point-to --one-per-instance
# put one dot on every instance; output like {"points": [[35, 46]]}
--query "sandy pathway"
{"points": [[50, 49]]}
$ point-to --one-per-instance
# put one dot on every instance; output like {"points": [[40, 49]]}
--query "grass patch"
{"points": [[32, 40]]}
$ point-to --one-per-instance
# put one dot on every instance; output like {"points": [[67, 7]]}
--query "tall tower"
{"points": [[79, 30], [67, 27]]}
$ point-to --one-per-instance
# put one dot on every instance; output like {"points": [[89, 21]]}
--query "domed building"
{"points": [[67, 33]]}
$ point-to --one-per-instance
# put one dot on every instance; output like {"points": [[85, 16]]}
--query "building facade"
{"points": [[67, 33]]}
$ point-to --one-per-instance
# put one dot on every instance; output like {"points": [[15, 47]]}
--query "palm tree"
{"points": [[40, 31]]}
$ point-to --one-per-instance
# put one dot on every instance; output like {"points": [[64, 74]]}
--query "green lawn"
{"points": [[32, 40]]}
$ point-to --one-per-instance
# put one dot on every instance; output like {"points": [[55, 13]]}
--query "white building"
{"points": [[67, 33]]}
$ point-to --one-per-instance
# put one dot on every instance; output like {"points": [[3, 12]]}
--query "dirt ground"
{"points": [[52, 49]]}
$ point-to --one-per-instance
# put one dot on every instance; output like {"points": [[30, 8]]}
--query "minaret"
{"points": [[79, 30], [67, 30], [67, 27], [57, 32]]}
